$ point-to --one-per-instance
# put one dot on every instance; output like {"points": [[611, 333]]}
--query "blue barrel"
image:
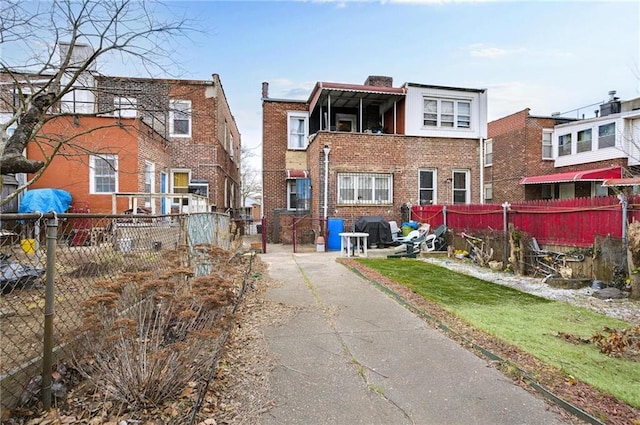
{"points": [[334, 227]]}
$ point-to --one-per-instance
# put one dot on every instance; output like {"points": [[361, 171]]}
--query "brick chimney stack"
{"points": [[379, 81], [265, 90]]}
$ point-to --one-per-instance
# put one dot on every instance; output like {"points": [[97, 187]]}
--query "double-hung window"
{"points": [[547, 144], [607, 136], [564, 145], [583, 143], [103, 173], [446, 113], [427, 187], [180, 118], [365, 188], [299, 194], [298, 129], [461, 193], [488, 152]]}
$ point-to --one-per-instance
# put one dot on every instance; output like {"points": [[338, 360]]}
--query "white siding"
{"points": [[595, 154], [415, 110]]}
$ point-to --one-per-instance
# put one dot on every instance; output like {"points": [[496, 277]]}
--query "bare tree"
{"points": [[251, 177], [50, 53]]}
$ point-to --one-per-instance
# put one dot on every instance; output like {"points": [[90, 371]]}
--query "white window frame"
{"points": [[125, 107], [93, 174], [612, 136], [488, 152], [488, 192], [179, 107], [434, 173], [547, 144], [292, 143], [580, 143], [455, 119], [466, 189], [360, 183], [292, 189], [562, 151]]}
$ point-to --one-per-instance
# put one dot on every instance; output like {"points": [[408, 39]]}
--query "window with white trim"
{"points": [[547, 144], [461, 193], [427, 187], [299, 194], [583, 144], [564, 145], [446, 113], [149, 180], [125, 107], [180, 118], [488, 152], [298, 129], [607, 135], [103, 173], [365, 188], [488, 192]]}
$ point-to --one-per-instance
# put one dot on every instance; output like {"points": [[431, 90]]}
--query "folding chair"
{"points": [[436, 241]]}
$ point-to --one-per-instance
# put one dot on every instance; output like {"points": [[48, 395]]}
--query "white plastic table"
{"points": [[345, 242]]}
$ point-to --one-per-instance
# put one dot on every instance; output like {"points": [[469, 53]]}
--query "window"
{"points": [[427, 187], [180, 118], [447, 113], [299, 194], [546, 191], [598, 190], [364, 188], [103, 173], [298, 130], [488, 192], [149, 180], [564, 145], [346, 122], [488, 152], [461, 187], [584, 141], [125, 107], [547, 144], [607, 136]]}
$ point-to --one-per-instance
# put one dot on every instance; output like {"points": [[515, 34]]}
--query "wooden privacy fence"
{"points": [[571, 222]]}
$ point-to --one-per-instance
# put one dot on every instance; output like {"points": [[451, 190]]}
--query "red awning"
{"points": [[297, 174], [598, 174]]}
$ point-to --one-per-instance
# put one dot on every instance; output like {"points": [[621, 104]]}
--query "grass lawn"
{"points": [[524, 320]]}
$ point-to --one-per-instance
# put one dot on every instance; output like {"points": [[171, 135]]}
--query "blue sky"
{"points": [[547, 56]]}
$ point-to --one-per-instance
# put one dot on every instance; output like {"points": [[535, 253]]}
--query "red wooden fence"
{"points": [[572, 222]]}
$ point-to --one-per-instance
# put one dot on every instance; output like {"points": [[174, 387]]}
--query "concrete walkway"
{"points": [[355, 356]]}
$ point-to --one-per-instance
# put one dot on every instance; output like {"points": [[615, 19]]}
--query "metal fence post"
{"points": [[49, 301], [444, 215], [505, 228]]}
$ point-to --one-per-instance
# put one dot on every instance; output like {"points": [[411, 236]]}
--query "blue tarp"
{"points": [[45, 200]]}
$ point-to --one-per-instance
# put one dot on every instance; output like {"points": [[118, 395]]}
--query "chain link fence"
{"points": [[51, 265]]}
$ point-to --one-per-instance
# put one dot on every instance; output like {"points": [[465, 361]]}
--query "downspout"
{"points": [[481, 170], [326, 150]]}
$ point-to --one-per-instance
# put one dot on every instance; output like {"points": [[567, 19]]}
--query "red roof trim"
{"points": [[573, 176]]}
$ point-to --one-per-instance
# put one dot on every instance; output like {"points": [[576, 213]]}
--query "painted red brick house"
{"points": [[141, 135], [531, 157], [356, 150]]}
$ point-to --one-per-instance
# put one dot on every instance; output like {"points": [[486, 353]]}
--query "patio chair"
{"points": [[436, 241], [395, 230], [423, 230], [410, 248]]}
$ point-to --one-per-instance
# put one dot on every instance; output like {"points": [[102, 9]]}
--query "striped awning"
{"points": [[632, 181], [598, 174], [297, 174]]}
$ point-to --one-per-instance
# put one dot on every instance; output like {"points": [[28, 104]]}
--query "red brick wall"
{"points": [[69, 169]]}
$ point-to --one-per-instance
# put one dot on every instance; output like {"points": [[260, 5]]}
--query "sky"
{"points": [[546, 56]]}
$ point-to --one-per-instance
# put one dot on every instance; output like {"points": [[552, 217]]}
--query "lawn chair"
{"points": [[436, 241], [395, 230], [423, 230], [410, 248], [548, 263]]}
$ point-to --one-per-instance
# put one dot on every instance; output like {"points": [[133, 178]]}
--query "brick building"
{"points": [[139, 135], [532, 157], [382, 147]]}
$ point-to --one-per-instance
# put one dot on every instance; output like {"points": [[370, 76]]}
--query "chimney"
{"points": [[265, 90], [379, 81]]}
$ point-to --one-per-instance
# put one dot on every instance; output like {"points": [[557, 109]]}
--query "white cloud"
{"points": [[482, 51]]}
